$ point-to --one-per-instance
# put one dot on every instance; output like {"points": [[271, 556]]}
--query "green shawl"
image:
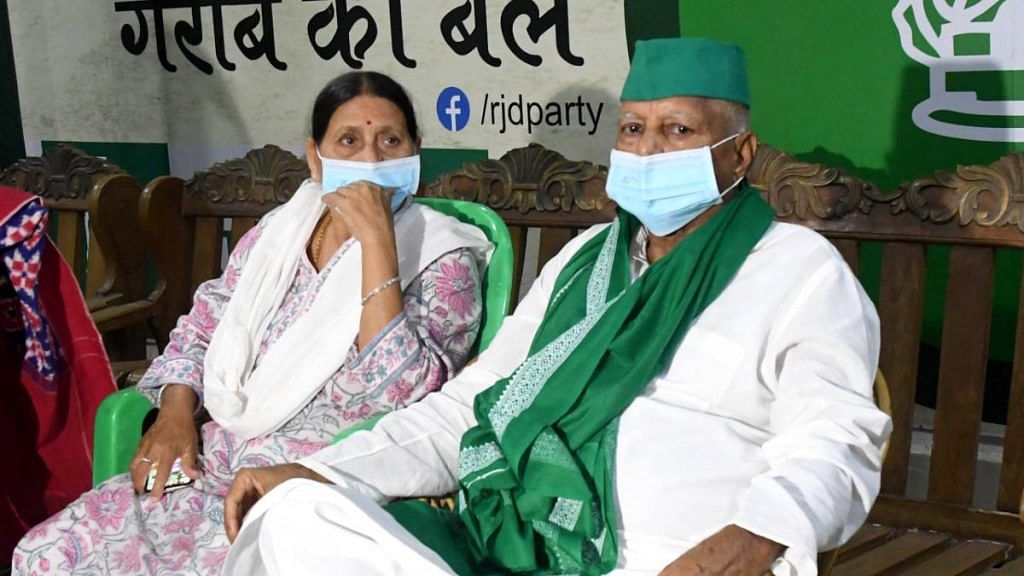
{"points": [[535, 475]]}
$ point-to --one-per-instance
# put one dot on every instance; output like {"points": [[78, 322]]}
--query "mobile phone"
{"points": [[176, 480]]}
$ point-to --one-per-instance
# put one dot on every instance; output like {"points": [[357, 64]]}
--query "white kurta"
{"points": [[764, 418]]}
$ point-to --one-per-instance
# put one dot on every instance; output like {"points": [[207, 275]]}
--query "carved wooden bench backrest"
{"points": [[533, 187], [73, 184], [221, 202], [973, 210], [529, 187], [239, 191]]}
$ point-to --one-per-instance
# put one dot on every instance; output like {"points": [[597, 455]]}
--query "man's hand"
{"points": [[251, 484], [732, 551]]}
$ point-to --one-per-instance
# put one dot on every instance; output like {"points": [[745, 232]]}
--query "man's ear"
{"points": [[313, 161], [746, 149]]}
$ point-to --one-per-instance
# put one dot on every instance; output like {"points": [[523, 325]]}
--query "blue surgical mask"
{"points": [[401, 175], [665, 191]]}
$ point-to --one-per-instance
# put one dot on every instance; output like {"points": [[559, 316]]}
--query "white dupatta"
{"points": [[252, 402]]}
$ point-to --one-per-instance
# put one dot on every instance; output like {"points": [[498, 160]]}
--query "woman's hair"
{"points": [[352, 84]]}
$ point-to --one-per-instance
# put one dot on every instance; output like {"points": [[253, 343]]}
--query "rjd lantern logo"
{"points": [[974, 50]]}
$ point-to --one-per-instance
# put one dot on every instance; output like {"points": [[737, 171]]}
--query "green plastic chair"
{"points": [[120, 416]]}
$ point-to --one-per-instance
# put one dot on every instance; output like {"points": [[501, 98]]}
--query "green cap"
{"points": [[667, 67]]}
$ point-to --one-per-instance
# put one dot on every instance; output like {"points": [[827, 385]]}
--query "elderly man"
{"points": [[687, 390]]}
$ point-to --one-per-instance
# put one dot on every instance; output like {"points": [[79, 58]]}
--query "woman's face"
{"points": [[365, 129]]}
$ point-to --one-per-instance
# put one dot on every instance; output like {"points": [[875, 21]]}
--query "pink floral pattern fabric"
{"points": [[111, 530]]}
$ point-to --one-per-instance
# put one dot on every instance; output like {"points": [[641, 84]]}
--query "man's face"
{"points": [[680, 123]]}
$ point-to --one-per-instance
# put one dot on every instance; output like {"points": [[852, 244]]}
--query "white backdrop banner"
{"points": [[206, 76]]}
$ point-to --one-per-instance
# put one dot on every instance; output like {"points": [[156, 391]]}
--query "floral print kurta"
{"points": [[111, 530]]}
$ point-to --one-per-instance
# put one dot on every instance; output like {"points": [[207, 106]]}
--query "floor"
{"points": [[990, 455]]}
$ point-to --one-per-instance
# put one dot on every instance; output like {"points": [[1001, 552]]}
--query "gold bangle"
{"points": [[383, 286]]}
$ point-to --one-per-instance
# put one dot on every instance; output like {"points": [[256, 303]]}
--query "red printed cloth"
{"points": [[54, 373]]}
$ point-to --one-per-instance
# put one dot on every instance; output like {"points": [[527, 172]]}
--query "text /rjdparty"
{"points": [[503, 112]]}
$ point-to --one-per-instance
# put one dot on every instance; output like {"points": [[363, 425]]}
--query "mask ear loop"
{"points": [[726, 139], [738, 180], [318, 155], [731, 186]]}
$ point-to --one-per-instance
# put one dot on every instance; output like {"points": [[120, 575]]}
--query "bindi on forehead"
{"points": [[369, 122]]}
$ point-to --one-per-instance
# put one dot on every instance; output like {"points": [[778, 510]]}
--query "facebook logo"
{"points": [[453, 109]]}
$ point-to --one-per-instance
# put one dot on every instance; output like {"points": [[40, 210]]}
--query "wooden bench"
{"points": [[532, 187], [972, 210], [112, 273]]}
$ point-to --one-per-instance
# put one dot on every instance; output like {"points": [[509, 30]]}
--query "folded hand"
{"points": [[364, 209], [251, 484]]}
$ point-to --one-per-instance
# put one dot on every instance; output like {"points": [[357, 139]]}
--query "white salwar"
{"points": [[764, 419]]}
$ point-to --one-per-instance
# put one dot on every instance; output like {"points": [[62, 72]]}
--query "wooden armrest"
{"points": [[99, 302], [122, 315], [128, 374]]}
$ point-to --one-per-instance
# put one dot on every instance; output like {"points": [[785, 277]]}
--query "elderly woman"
{"points": [[348, 301]]}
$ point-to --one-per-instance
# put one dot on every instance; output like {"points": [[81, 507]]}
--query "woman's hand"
{"points": [[364, 209], [251, 484], [172, 436]]}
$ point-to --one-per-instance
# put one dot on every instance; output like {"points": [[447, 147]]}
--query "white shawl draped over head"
{"points": [[253, 400]]}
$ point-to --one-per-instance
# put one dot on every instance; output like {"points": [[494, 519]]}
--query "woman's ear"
{"points": [[313, 161], [419, 143]]}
